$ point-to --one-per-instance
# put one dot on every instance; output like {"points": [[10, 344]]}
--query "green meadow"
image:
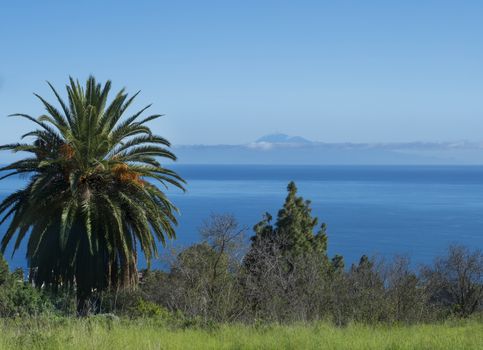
{"points": [[98, 333]]}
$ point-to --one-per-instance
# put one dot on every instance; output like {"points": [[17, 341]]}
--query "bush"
{"points": [[455, 281], [18, 298], [145, 308]]}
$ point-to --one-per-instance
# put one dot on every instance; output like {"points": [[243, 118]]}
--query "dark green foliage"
{"points": [[149, 286], [88, 204], [295, 226], [291, 236], [337, 263], [144, 308], [3, 270], [63, 300], [366, 291], [22, 299], [19, 298], [293, 232]]}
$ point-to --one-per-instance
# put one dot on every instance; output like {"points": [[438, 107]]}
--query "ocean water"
{"points": [[376, 210]]}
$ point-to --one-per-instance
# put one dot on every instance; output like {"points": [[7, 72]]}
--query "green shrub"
{"points": [[144, 308], [19, 298]]}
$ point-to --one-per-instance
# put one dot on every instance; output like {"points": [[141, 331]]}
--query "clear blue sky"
{"points": [[231, 71]]}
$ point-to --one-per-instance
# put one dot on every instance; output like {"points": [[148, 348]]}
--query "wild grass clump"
{"points": [[102, 332]]}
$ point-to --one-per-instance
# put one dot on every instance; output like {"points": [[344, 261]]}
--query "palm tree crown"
{"points": [[91, 200]]}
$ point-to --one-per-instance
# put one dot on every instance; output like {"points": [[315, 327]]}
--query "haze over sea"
{"points": [[382, 210]]}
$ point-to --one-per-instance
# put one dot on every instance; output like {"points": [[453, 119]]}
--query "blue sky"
{"points": [[231, 71]]}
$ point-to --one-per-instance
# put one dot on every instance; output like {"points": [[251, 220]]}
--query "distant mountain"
{"points": [[285, 149], [283, 138]]}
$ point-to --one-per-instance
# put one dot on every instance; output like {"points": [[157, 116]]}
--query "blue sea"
{"points": [[376, 210]]}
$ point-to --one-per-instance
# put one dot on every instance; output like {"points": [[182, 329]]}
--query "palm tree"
{"points": [[92, 199]]}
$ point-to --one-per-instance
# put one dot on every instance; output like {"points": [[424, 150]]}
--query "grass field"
{"points": [[146, 334]]}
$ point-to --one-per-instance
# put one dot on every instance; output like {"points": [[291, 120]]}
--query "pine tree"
{"points": [[295, 226], [287, 264], [293, 232], [337, 263]]}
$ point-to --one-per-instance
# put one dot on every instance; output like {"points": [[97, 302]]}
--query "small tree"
{"points": [[456, 280], [202, 280], [286, 267], [293, 232], [191, 279], [406, 294], [366, 291], [223, 233]]}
